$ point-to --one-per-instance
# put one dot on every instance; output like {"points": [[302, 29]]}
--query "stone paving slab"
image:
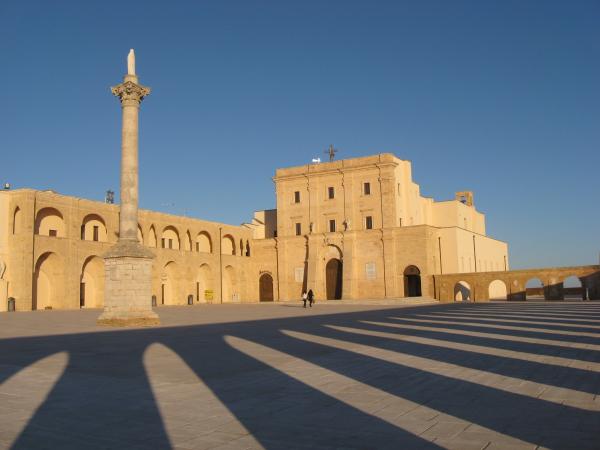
{"points": [[279, 376]]}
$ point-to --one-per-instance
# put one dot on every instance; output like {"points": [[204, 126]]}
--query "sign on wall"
{"points": [[208, 294], [299, 274], [370, 271]]}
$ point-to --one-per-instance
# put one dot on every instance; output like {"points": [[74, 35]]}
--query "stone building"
{"points": [[355, 228]]}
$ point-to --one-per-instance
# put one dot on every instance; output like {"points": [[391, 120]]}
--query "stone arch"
{"points": [[93, 228], [204, 282], [91, 289], [265, 288], [170, 238], [228, 245], [203, 242], [573, 288], [412, 281], [170, 284], [333, 251], [140, 235], [48, 282], [188, 241], [49, 222], [230, 293], [534, 289], [16, 228], [462, 292], [152, 237], [497, 290]]}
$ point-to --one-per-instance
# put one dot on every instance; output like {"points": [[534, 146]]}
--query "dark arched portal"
{"points": [[412, 282], [333, 279], [265, 288]]}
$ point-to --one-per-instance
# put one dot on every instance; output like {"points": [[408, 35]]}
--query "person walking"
{"points": [[310, 297], [304, 298]]}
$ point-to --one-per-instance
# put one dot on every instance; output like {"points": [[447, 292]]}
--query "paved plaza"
{"points": [[277, 376]]}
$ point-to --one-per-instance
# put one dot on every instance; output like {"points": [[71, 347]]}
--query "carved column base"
{"points": [[128, 287]]}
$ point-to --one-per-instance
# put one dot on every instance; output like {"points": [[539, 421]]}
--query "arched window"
{"points": [[152, 237], [203, 242], [49, 222], [227, 245], [170, 238], [93, 228], [16, 221]]}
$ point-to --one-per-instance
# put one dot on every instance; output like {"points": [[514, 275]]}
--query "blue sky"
{"points": [[502, 98]]}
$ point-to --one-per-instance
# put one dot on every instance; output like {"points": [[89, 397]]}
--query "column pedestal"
{"points": [[128, 286]]}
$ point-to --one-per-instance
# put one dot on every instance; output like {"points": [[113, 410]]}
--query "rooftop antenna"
{"points": [[331, 152]]}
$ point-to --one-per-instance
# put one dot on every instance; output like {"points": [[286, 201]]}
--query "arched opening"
{"points": [[188, 241], [534, 289], [497, 290], [227, 245], [573, 288], [91, 288], [204, 284], [16, 221], [48, 281], [333, 279], [170, 238], [49, 222], [203, 242], [152, 237], [247, 248], [140, 235], [170, 284], [241, 247], [412, 282], [229, 293], [462, 292], [265, 288], [93, 228]]}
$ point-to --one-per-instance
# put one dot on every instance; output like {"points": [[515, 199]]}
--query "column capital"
{"points": [[130, 93]]}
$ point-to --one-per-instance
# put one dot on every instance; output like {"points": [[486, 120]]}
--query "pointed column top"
{"points": [[131, 63]]}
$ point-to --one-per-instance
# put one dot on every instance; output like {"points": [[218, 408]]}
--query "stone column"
{"points": [[128, 265]]}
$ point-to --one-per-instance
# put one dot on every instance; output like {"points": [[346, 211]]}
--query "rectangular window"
{"points": [[197, 246], [170, 243], [163, 242], [52, 233], [332, 225], [298, 229], [297, 197], [95, 237], [400, 221], [367, 188], [369, 222], [331, 192], [82, 232]]}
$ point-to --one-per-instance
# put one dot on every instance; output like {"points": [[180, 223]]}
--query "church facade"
{"points": [[351, 229]]}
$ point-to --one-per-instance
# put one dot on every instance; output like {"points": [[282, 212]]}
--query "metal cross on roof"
{"points": [[331, 151]]}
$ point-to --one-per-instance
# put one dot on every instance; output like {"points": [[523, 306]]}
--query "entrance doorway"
{"points": [[333, 279], [265, 287], [412, 282]]}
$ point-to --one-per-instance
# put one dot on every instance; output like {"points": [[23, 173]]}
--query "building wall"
{"points": [[49, 270], [54, 256]]}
